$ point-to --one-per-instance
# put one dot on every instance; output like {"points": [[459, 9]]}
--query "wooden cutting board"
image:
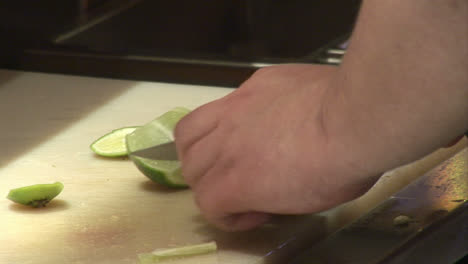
{"points": [[109, 212]]}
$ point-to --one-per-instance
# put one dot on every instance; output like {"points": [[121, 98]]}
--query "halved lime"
{"points": [[112, 144], [158, 131]]}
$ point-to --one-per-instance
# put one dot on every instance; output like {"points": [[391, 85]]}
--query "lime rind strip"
{"points": [[190, 250], [184, 251]]}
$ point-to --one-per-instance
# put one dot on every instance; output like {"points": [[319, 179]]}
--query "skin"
{"points": [[299, 139]]}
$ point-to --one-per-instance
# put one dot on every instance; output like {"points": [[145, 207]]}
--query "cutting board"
{"points": [[108, 211]]}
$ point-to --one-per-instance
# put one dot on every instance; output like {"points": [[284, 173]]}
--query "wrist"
{"points": [[350, 133]]}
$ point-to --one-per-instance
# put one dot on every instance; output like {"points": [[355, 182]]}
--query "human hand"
{"points": [[264, 149]]}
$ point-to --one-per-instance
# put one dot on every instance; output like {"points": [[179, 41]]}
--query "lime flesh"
{"points": [[158, 131], [113, 143]]}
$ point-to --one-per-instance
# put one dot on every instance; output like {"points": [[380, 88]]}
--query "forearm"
{"points": [[402, 90]]}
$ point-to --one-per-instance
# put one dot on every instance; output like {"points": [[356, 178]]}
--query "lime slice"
{"points": [[112, 144], [158, 131]]}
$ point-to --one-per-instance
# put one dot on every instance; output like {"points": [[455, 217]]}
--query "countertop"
{"points": [[108, 211]]}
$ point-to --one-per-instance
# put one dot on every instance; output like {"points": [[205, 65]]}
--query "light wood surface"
{"points": [[108, 212]]}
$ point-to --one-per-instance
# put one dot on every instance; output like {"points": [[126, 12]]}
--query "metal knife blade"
{"points": [[166, 151]]}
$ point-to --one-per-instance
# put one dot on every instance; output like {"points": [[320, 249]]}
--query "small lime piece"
{"points": [[113, 143], [158, 131], [37, 195]]}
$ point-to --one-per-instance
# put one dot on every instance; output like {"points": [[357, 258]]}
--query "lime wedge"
{"points": [[37, 195], [112, 144], [158, 131]]}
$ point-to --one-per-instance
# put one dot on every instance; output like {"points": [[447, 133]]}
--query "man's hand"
{"points": [[302, 138], [263, 149]]}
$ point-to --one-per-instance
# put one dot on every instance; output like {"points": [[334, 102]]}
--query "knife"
{"points": [[165, 151]]}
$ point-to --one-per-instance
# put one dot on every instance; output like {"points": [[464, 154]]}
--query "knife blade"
{"points": [[166, 151]]}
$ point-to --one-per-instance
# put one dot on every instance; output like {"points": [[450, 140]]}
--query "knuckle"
{"points": [[187, 169], [181, 127]]}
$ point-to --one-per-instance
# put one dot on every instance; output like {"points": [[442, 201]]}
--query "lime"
{"points": [[37, 195], [112, 144], [158, 131]]}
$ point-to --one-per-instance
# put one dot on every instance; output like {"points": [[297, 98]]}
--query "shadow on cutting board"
{"points": [[55, 205], [34, 107], [150, 186], [275, 242]]}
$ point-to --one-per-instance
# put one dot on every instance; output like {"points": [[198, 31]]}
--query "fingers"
{"points": [[222, 199], [196, 125], [202, 155], [231, 150], [222, 196]]}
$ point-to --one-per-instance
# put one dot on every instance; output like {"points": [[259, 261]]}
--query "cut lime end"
{"points": [[112, 144], [158, 131]]}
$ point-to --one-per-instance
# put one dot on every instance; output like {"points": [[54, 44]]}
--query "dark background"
{"points": [[85, 36]]}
